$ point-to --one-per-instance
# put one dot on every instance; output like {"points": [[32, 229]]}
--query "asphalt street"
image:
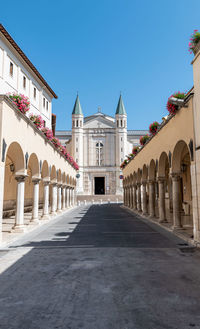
{"points": [[99, 267]]}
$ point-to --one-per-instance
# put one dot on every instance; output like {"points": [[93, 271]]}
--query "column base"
{"points": [[162, 221], [177, 227], [45, 217], [53, 213], [34, 221], [59, 211], [18, 229]]}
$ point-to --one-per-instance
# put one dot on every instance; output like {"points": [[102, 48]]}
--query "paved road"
{"points": [[99, 267]]}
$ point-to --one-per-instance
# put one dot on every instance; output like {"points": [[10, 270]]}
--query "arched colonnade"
{"points": [[30, 184], [162, 187]]}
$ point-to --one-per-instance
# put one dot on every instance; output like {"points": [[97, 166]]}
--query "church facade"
{"points": [[99, 144]]}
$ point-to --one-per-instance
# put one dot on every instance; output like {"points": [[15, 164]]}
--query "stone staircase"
{"points": [[101, 198]]}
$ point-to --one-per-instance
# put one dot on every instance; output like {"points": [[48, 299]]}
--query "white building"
{"points": [[18, 74], [99, 144]]}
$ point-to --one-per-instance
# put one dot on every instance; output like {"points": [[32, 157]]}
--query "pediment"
{"points": [[99, 122]]}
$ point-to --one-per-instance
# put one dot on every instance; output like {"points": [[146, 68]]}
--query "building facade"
{"points": [[163, 179], [99, 144]]}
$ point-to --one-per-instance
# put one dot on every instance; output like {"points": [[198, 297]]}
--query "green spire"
{"points": [[77, 107], [120, 107]]}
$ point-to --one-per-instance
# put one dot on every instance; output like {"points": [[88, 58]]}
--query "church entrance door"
{"points": [[99, 185]]}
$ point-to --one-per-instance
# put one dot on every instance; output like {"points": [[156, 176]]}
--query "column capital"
{"points": [[59, 185], [36, 180], [144, 182], [53, 183], [151, 182], [161, 179], [175, 176], [46, 181], [20, 178]]}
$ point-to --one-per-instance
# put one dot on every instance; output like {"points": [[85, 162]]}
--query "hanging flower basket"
{"points": [[153, 127], [21, 101], [173, 108], [135, 150], [37, 120], [144, 139], [194, 44]]}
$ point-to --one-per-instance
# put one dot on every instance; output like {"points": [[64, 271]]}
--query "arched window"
{"points": [[99, 154], [117, 123], [121, 123], [76, 123]]}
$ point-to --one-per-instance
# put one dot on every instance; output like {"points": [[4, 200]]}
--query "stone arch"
{"points": [[33, 165], [163, 164], [67, 179], [70, 180], [139, 175], [15, 156], [45, 169], [64, 178], [53, 174], [178, 151], [152, 170], [14, 164], [59, 176], [144, 173]]}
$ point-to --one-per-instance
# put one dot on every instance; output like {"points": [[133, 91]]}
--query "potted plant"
{"points": [[47, 132], [194, 44], [37, 120], [173, 108], [135, 150], [144, 139], [21, 101], [153, 127]]}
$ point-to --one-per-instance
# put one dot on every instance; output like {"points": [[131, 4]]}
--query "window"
{"points": [[99, 154], [81, 123], [47, 105], [121, 139], [76, 160], [34, 92], [121, 160], [76, 139], [76, 123], [77, 149], [24, 82], [44, 123], [43, 102], [121, 149], [117, 123], [121, 123], [73, 123], [11, 69]]}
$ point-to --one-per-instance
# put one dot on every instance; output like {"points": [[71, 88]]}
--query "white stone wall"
{"points": [[14, 83]]}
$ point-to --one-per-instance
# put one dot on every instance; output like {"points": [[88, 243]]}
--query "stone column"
{"points": [[176, 201], [35, 206], [73, 197], [67, 197], [54, 199], [19, 214], [161, 201], [134, 197], [144, 198], [131, 197], [46, 200], [63, 197], [139, 197], [152, 198], [59, 198]]}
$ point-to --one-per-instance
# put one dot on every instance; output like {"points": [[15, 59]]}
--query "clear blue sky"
{"points": [[102, 47]]}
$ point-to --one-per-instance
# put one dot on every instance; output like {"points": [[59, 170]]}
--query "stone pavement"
{"points": [[99, 267]]}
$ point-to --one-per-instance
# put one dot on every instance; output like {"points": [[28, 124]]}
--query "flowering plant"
{"points": [[172, 108], [47, 132], [21, 101], [56, 142], [153, 127], [195, 38], [135, 150], [37, 120], [144, 139]]}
